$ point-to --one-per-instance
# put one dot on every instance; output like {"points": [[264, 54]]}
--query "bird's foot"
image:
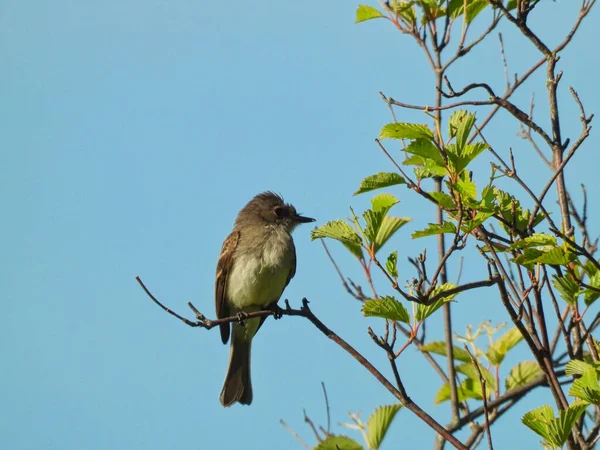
{"points": [[277, 311], [242, 317]]}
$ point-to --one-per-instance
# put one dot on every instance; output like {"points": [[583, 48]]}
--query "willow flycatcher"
{"points": [[257, 261]]}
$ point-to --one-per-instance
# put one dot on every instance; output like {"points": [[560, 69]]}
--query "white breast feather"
{"points": [[261, 281]]}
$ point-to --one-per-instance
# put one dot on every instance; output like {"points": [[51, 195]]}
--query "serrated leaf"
{"points": [[443, 199], [521, 374], [590, 268], [474, 7], [567, 287], [373, 221], [383, 202], [470, 371], [498, 350], [566, 421], [439, 348], [461, 158], [405, 9], [342, 232], [400, 130], [338, 443], [391, 264], [424, 311], [388, 227], [555, 430], [386, 307], [366, 12], [378, 181], [590, 296], [466, 390], [578, 367], [465, 186], [433, 229], [554, 256], [460, 125], [378, 424], [539, 421], [586, 387], [426, 150], [480, 217], [506, 204], [535, 240]]}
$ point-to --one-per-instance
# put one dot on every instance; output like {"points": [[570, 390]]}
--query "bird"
{"points": [[257, 261]]}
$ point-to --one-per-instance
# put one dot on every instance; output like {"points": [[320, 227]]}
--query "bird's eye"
{"points": [[280, 211]]}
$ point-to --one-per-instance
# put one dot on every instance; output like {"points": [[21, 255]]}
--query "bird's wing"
{"points": [[223, 267], [293, 269]]}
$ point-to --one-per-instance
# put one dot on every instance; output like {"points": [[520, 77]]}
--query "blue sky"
{"points": [[133, 132]]}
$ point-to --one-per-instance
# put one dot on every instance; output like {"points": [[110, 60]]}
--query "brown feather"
{"points": [[223, 266]]}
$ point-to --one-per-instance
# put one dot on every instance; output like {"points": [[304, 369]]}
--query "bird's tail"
{"points": [[237, 386]]}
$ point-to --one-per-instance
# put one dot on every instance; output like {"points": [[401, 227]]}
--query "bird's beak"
{"points": [[302, 219]]}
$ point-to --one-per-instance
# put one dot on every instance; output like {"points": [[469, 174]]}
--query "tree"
{"points": [[538, 259]]}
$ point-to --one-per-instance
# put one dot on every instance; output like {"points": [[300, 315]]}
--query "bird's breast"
{"points": [[258, 275]]}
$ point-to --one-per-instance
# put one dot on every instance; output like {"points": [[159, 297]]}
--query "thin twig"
{"points": [[484, 395], [327, 408], [296, 436], [305, 311]]}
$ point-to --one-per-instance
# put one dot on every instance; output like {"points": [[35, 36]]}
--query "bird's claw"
{"points": [[277, 312], [242, 317]]}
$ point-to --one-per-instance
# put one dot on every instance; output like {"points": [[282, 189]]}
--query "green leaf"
{"points": [[461, 158], [443, 199], [535, 240], [380, 227], [460, 125], [386, 307], [378, 181], [340, 231], [498, 350], [567, 287], [388, 227], [405, 9], [427, 150], [466, 390], [480, 217], [578, 367], [506, 204], [586, 387], [399, 130], [465, 186], [521, 374], [539, 420], [424, 311], [392, 264], [439, 348], [383, 202], [470, 371], [338, 443], [554, 256], [590, 296], [474, 7], [374, 218], [366, 12], [378, 424], [554, 430], [433, 229]]}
